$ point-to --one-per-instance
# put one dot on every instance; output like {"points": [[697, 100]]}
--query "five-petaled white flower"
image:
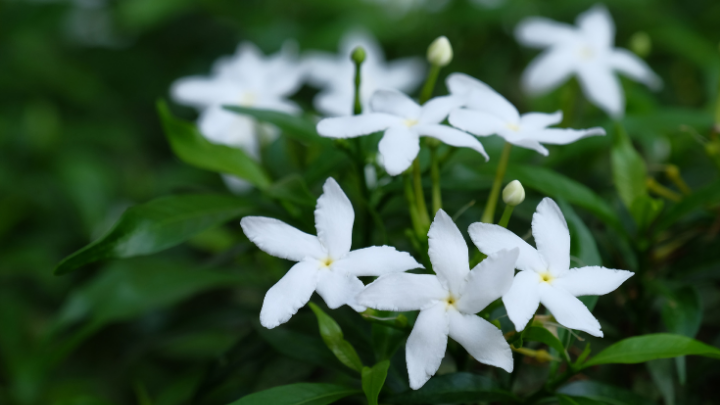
{"points": [[325, 262], [403, 121], [545, 275], [488, 113], [587, 51], [248, 79], [447, 302], [335, 74]]}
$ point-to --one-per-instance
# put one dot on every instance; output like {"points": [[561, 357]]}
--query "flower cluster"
{"points": [[448, 300]]}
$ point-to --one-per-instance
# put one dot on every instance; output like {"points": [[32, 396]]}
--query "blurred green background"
{"points": [[80, 141]]}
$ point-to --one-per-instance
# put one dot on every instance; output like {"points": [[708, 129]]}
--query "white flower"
{"points": [[325, 262], [335, 75], [403, 121], [545, 276], [488, 113], [248, 79], [587, 51], [447, 302]]}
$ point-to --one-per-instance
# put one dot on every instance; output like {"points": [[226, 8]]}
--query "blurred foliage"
{"points": [[81, 141]]}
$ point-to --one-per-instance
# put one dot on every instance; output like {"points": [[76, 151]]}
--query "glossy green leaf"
{"points": [[300, 346], [302, 129], [333, 337], [192, 148], [129, 288], [580, 391], [373, 380], [157, 225], [298, 394], [682, 311], [542, 335], [640, 349], [454, 388], [557, 186]]}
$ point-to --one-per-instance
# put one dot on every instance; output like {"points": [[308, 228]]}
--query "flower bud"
{"points": [[513, 193], [358, 55], [440, 52]]}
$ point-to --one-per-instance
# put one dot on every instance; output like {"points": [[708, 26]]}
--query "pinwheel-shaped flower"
{"points": [[248, 79], [587, 51], [488, 113], [403, 121], [545, 276], [325, 262], [447, 302], [334, 74]]}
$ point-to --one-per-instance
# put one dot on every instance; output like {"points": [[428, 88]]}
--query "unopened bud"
{"points": [[358, 55], [440, 52], [513, 193]]}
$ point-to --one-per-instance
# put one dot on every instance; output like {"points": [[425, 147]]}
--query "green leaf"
{"points": [[293, 189], [640, 349], [581, 391], [373, 380], [542, 335], [157, 225], [454, 388], [298, 394], [333, 337], [557, 186], [192, 148], [130, 288], [302, 129], [299, 346], [682, 312]]}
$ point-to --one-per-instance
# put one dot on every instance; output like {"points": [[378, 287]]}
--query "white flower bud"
{"points": [[440, 52], [513, 193]]}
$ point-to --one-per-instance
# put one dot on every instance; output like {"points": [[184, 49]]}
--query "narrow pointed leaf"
{"points": [[157, 225], [298, 394], [192, 148], [333, 337], [373, 380], [650, 347]]}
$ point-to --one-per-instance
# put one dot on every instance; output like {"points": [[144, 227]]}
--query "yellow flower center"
{"points": [[450, 301], [248, 99], [546, 277], [411, 123], [586, 53], [513, 127], [326, 262]]}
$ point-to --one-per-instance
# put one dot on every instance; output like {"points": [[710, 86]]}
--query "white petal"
{"points": [[488, 281], [490, 238], [452, 136], [404, 74], [602, 88], [523, 298], [562, 136], [357, 125], [528, 144], [569, 311], [597, 26], [394, 103], [338, 288], [483, 340], [289, 294], [426, 345], [632, 66], [552, 236], [540, 120], [541, 32], [461, 84], [448, 252], [437, 109], [398, 148], [402, 292], [201, 92], [481, 97], [376, 261], [592, 280], [279, 239], [549, 70], [334, 217], [227, 128], [477, 122]]}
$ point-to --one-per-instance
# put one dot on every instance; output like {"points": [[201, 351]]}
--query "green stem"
{"points": [[429, 86], [489, 213], [357, 107], [506, 216], [412, 205], [435, 176], [420, 198]]}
